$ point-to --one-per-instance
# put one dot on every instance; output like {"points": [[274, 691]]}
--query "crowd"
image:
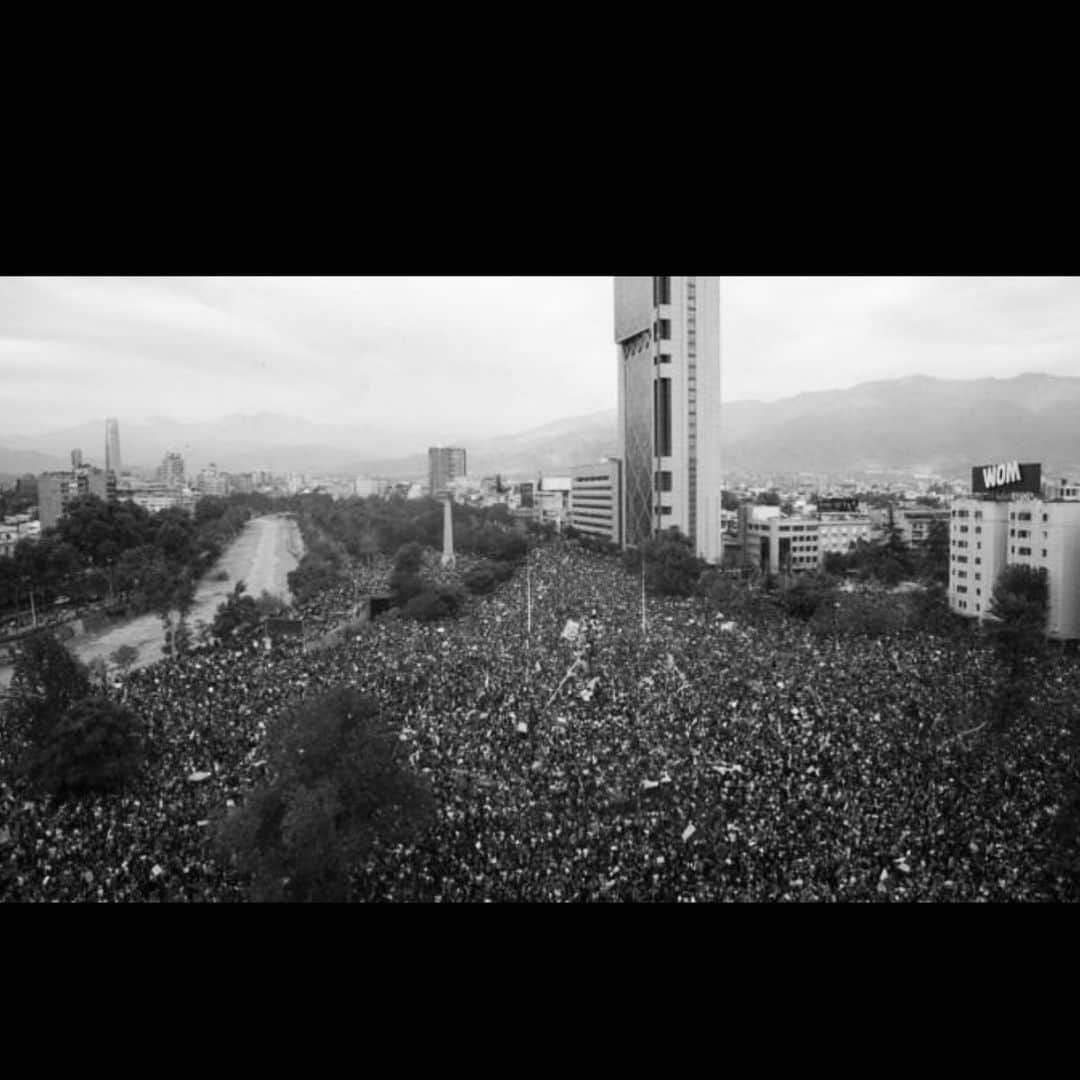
{"points": [[697, 758]]}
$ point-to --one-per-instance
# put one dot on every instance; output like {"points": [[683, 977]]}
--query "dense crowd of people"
{"points": [[695, 758]]}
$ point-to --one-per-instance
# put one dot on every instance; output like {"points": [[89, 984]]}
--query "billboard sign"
{"points": [[1006, 478], [838, 506]]}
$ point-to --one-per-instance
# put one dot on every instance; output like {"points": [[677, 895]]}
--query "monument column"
{"points": [[448, 534]]}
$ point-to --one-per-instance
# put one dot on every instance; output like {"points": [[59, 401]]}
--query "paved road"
{"points": [[261, 556]]}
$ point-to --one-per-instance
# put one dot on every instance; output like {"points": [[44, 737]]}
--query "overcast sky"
{"points": [[492, 355]]}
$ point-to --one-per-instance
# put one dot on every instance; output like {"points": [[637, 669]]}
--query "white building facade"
{"points": [[668, 334], [841, 533], [986, 536], [596, 500]]}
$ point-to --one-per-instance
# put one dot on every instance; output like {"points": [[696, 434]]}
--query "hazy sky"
{"points": [[491, 355]]}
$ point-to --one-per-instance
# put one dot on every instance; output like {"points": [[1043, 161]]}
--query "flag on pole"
{"points": [[644, 619]]}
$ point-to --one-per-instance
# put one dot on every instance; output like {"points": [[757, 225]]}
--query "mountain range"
{"points": [[917, 424]]}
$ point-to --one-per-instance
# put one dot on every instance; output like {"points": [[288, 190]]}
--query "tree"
{"points": [[98, 672], [729, 500], [124, 657], [97, 746], [409, 559], [1019, 607], [935, 554], [835, 563], [47, 681], [809, 593], [405, 586], [434, 604], [237, 614], [481, 580], [1018, 610], [339, 783], [671, 567]]}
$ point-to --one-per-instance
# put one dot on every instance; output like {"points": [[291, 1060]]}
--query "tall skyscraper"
{"points": [[668, 333], [444, 465], [171, 470], [112, 447]]}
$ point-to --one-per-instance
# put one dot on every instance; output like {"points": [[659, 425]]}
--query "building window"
{"points": [[663, 481], [663, 329], [1024, 551], [665, 358], [1044, 553], [662, 417], [661, 290]]}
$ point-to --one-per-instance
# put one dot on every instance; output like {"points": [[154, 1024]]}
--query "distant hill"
{"points": [[918, 424], [16, 463]]}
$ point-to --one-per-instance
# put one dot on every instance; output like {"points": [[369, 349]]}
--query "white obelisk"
{"points": [[448, 535]]}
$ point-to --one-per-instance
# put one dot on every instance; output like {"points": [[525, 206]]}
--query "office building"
{"points": [[212, 482], [978, 552], [112, 448], [445, 464], [596, 500], [668, 334], [552, 499], [368, 487], [1046, 535], [1009, 521], [775, 544], [171, 471], [57, 490], [842, 526], [916, 522]]}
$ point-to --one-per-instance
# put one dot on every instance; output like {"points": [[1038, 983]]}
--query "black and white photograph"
{"points": [[539, 590]]}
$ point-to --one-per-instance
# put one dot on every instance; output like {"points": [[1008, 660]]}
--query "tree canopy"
{"points": [[339, 784]]}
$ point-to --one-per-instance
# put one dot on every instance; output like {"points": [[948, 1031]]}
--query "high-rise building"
{"points": [[213, 482], [112, 448], [171, 471], [445, 464], [668, 333], [56, 490]]}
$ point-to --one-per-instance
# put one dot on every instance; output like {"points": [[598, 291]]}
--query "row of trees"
{"points": [[119, 552]]}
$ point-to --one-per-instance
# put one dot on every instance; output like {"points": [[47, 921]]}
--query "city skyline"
{"points": [[489, 355]]}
